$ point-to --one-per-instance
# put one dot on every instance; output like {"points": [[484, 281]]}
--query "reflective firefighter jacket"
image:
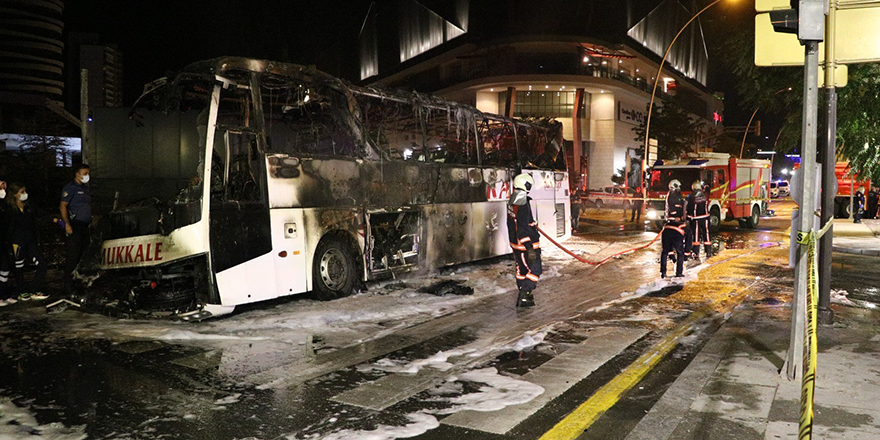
{"points": [[522, 228], [675, 209], [697, 205]]}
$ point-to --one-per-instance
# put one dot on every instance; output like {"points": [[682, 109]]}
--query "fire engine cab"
{"points": [[740, 188]]}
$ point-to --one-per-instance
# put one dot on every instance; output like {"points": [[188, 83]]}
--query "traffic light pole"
{"points": [[808, 205], [828, 158]]}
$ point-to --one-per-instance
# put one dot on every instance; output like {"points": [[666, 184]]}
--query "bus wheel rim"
{"points": [[333, 271]]}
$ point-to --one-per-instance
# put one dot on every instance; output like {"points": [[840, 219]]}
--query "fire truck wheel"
{"points": [[600, 203], [334, 269], [754, 219], [714, 219]]}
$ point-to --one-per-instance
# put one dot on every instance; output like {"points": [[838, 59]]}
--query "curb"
{"points": [[846, 250]]}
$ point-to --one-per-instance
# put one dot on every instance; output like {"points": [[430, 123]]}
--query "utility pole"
{"points": [[828, 157], [84, 113]]}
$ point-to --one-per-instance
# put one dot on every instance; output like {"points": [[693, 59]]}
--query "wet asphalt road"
{"points": [[82, 372]]}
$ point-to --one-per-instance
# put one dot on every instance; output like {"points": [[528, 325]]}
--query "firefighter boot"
{"points": [[525, 299], [529, 300]]}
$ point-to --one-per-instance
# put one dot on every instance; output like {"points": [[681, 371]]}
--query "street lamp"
{"points": [[749, 125], [657, 79]]}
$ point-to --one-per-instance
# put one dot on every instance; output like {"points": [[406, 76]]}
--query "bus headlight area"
{"points": [[652, 214]]}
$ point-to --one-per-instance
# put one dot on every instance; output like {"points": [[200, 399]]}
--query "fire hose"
{"points": [[603, 261]]}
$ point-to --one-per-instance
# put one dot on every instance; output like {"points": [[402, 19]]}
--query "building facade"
{"points": [[31, 48], [587, 64], [104, 63]]}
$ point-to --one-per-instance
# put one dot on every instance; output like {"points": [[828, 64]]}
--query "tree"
{"points": [[673, 127], [858, 116]]}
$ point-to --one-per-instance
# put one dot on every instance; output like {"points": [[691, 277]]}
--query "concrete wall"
{"points": [[488, 102], [602, 132]]}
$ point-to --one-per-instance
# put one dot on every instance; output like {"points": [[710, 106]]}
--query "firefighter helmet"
{"points": [[674, 184], [523, 182], [697, 185]]}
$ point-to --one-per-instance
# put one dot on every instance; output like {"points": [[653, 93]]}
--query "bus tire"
{"points": [[753, 220], [334, 271], [659, 224], [714, 219], [600, 203]]}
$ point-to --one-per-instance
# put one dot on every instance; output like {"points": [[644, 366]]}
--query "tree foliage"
{"points": [[858, 115], [673, 127]]}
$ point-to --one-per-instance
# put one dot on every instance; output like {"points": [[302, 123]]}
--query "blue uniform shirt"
{"points": [[79, 202]]}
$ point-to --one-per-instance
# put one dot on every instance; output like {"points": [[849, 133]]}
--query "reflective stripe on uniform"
{"points": [[518, 247], [532, 277], [536, 245], [524, 239], [675, 228]]}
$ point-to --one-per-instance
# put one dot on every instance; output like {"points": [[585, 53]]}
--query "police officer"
{"points": [[698, 219], [674, 233], [524, 239], [859, 205], [76, 211]]}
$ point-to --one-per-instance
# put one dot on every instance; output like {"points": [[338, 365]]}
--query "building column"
{"points": [[576, 135], [508, 104]]}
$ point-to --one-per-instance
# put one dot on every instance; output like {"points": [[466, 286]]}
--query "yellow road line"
{"points": [[579, 420]]}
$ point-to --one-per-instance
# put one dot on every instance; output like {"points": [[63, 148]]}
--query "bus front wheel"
{"points": [[334, 269]]}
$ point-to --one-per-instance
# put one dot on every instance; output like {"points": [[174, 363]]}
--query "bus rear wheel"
{"points": [[333, 270]]}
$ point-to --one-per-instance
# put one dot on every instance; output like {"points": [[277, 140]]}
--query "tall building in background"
{"points": [[104, 63], [31, 47], [590, 64]]}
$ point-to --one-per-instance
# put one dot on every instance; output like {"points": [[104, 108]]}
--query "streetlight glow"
{"points": [[659, 70]]}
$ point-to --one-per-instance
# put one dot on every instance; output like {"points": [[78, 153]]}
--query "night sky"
{"points": [[161, 36]]}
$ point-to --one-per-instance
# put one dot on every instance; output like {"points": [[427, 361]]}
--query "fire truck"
{"points": [[740, 188], [847, 184]]}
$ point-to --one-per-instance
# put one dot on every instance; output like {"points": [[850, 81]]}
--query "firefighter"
{"points": [[524, 239], [698, 219], [674, 232]]}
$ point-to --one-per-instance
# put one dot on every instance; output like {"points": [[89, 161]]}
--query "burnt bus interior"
{"points": [[407, 149]]}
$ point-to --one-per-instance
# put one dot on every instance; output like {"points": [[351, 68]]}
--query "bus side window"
{"points": [[392, 128], [499, 144], [532, 146], [721, 180], [305, 120], [448, 142]]}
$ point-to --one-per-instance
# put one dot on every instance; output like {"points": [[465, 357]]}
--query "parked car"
{"points": [[774, 190], [611, 196], [784, 189]]}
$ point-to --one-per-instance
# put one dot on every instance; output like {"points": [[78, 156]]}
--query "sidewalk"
{"points": [[857, 238], [732, 389]]}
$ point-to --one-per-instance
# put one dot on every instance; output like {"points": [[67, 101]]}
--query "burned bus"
{"points": [[240, 180]]}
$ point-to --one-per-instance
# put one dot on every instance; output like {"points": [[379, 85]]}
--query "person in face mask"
{"points": [[522, 230], [76, 212], [5, 252], [25, 240]]}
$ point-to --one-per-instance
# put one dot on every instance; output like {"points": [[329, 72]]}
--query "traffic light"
{"points": [[806, 18]]}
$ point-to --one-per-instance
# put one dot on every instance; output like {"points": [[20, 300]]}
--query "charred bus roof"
{"points": [[229, 66]]}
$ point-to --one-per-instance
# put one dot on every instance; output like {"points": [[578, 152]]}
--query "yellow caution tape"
{"points": [[808, 386]]}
